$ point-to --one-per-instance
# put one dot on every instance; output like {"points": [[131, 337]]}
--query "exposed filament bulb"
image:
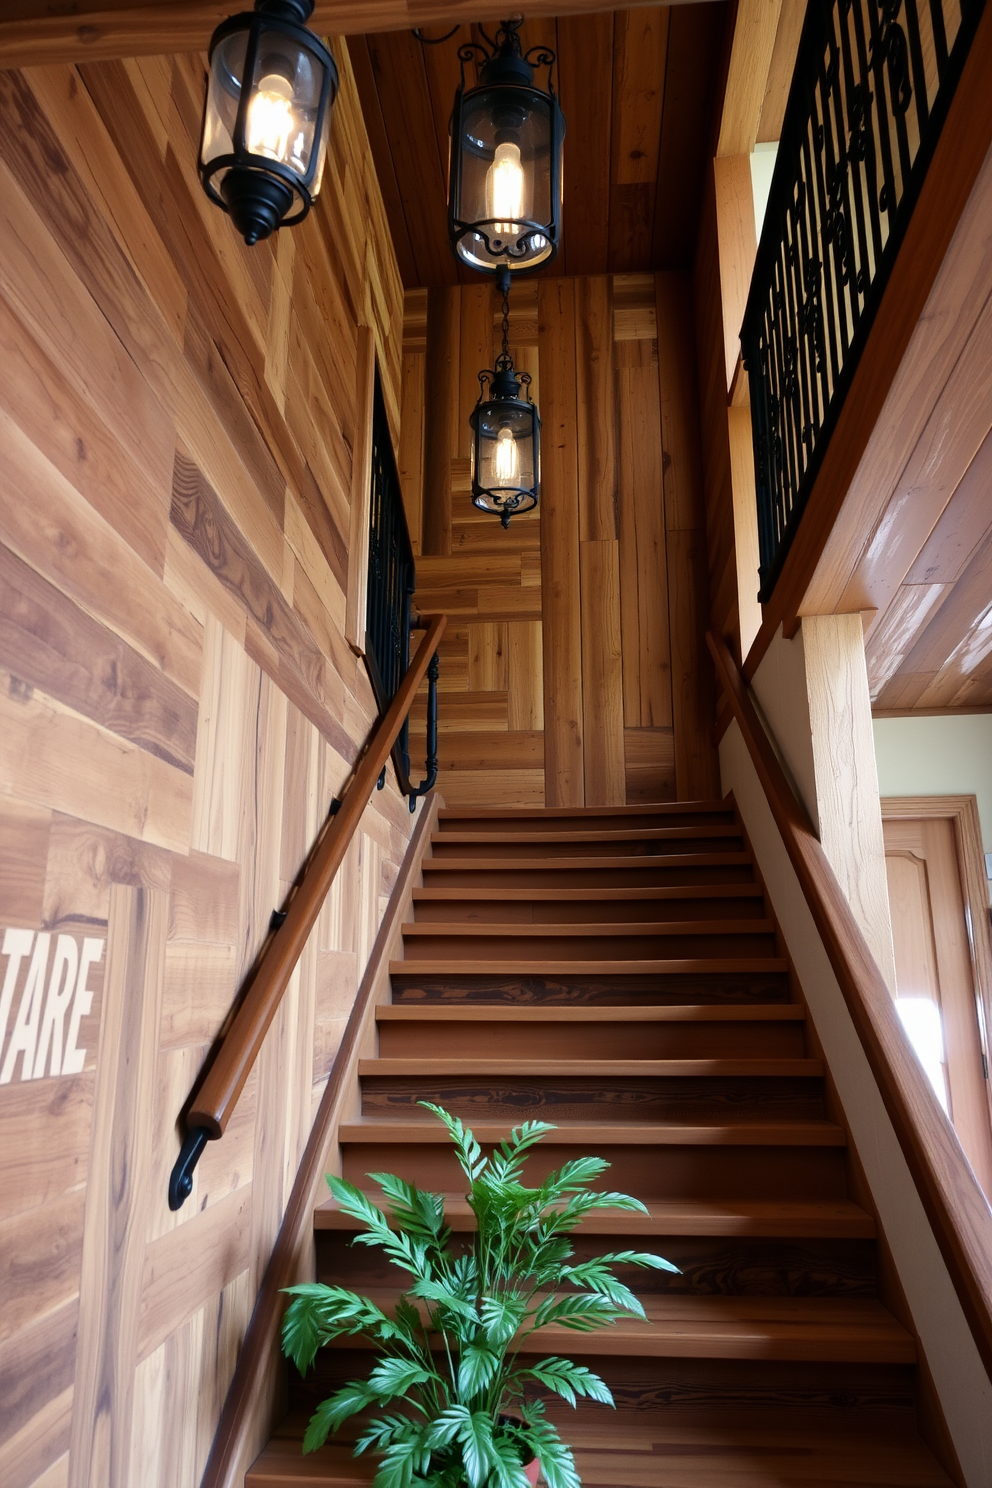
{"points": [[270, 118], [506, 458], [505, 187]]}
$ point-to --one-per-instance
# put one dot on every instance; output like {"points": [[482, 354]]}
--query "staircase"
{"points": [[617, 972]]}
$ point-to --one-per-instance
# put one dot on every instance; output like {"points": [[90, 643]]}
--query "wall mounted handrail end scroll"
{"points": [[956, 1208], [181, 1177], [216, 1098]]}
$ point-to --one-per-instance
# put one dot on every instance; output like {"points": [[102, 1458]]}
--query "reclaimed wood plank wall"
{"points": [[177, 706], [574, 669]]}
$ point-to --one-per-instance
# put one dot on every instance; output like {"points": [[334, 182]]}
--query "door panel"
{"points": [[933, 960]]}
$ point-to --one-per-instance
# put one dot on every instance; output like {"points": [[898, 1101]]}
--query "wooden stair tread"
{"points": [[756, 966], [557, 813], [709, 1447], [812, 1219], [841, 1329], [705, 1012], [626, 834], [511, 1065], [527, 929], [422, 1131], [624, 861], [582, 896]]}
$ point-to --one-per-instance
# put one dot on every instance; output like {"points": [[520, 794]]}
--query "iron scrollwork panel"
{"points": [[872, 85]]}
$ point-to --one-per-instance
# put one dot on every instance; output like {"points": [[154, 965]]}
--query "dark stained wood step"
{"points": [[707, 902], [620, 871], [494, 837], [772, 1012], [379, 1130], [578, 967], [604, 1069], [557, 847], [823, 1219], [708, 1265], [706, 1031], [843, 1439], [590, 941], [835, 1329], [512, 815], [413, 985]]}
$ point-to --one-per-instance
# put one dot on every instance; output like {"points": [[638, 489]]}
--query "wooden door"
{"points": [[935, 963]]}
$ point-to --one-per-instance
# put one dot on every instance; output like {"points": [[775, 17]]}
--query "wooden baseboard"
{"points": [[246, 1420]]}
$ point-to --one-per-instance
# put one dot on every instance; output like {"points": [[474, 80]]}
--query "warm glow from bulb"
{"points": [[506, 458], [505, 187], [270, 118]]}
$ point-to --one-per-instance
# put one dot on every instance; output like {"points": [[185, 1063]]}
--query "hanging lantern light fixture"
{"points": [[506, 429], [269, 99], [504, 182]]}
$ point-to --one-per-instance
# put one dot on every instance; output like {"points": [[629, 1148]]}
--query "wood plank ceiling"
{"points": [[636, 88]]}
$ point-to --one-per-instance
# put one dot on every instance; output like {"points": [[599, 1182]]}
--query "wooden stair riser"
{"points": [[626, 943], [593, 989], [560, 1040], [623, 907], [651, 1172], [446, 848], [605, 1100], [709, 1266], [564, 819], [620, 873], [691, 1386]]}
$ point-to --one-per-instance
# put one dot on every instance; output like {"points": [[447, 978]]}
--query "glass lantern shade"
{"points": [[504, 190], [269, 100], [506, 454]]}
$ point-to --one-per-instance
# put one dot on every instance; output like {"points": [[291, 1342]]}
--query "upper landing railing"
{"points": [[871, 89]]}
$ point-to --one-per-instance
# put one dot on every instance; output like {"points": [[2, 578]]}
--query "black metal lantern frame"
{"points": [[260, 192], [506, 430], [505, 113]]}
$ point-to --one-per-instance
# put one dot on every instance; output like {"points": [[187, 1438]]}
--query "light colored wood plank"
{"points": [[113, 1240], [560, 582], [737, 247], [751, 55], [188, 1266], [78, 551], [361, 495], [595, 402], [647, 688], [53, 757], [525, 675], [602, 675]]}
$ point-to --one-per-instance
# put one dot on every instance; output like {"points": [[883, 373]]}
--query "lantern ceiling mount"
{"points": [[504, 182], [271, 91]]}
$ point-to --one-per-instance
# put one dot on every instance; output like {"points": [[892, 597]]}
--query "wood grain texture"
{"points": [[177, 718], [560, 577], [116, 1211]]}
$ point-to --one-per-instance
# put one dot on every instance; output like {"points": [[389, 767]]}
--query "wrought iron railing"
{"points": [[871, 89], [391, 583]]}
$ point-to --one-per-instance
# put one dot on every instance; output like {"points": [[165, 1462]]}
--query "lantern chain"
{"points": [[505, 356]]}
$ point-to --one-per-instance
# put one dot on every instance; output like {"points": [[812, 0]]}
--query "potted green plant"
{"points": [[450, 1379]]}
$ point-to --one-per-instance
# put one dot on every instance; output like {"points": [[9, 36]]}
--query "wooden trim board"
{"points": [[98, 30]]}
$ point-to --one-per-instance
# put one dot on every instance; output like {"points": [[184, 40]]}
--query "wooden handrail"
{"points": [[218, 1095], [957, 1209]]}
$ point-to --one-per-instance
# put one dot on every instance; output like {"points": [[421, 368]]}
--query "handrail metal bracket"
{"points": [[181, 1177]]}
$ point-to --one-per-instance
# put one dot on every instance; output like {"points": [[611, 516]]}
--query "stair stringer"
{"points": [[947, 1346]]}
